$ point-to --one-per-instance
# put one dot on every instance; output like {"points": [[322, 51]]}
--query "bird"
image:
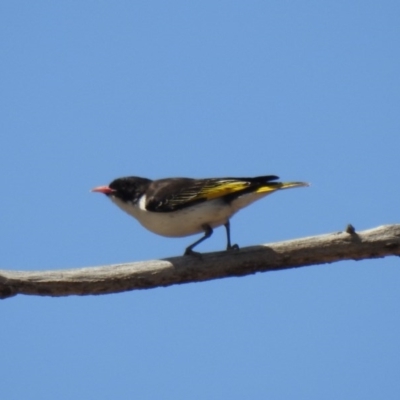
{"points": [[178, 207]]}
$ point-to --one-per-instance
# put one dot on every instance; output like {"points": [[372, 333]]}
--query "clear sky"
{"points": [[94, 90]]}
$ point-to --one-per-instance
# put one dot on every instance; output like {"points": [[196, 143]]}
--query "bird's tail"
{"points": [[272, 186]]}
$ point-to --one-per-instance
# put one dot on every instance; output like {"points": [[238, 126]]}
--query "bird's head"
{"points": [[128, 189]]}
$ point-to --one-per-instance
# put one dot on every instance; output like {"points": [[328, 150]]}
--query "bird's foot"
{"points": [[233, 247], [190, 252]]}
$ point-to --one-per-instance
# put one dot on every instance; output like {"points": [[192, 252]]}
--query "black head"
{"points": [[128, 189]]}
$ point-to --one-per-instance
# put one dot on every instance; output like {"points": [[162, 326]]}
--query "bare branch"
{"points": [[349, 245]]}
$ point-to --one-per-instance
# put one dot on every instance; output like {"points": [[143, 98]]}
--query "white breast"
{"points": [[187, 221]]}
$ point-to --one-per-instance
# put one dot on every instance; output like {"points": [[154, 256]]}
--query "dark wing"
{"points": [[166, 195]]}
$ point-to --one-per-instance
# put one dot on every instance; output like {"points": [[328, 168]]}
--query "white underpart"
{"points": [[189, 220]]}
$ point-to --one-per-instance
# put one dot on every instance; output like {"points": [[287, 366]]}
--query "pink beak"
{"points": [[103, 189]]}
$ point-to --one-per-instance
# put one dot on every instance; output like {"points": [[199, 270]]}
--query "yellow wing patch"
{"points": [[221, 188], [181, 193]]}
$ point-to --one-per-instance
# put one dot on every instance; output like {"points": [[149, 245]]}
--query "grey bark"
{"points": [[348, 245]]}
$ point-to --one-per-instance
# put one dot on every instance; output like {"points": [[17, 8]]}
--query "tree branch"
{"points": [[349, 245]]}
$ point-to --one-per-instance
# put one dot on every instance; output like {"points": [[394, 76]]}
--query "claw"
{"points": [[190, 252]]}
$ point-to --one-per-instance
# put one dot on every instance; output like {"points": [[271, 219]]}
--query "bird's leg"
{"points": [[228, 236], [207, 233]]}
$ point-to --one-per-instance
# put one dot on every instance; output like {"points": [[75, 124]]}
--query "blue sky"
{"points": [[95, 90]]}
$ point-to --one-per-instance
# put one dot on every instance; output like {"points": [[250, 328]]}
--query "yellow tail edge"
{"points": [[271, 187]]}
